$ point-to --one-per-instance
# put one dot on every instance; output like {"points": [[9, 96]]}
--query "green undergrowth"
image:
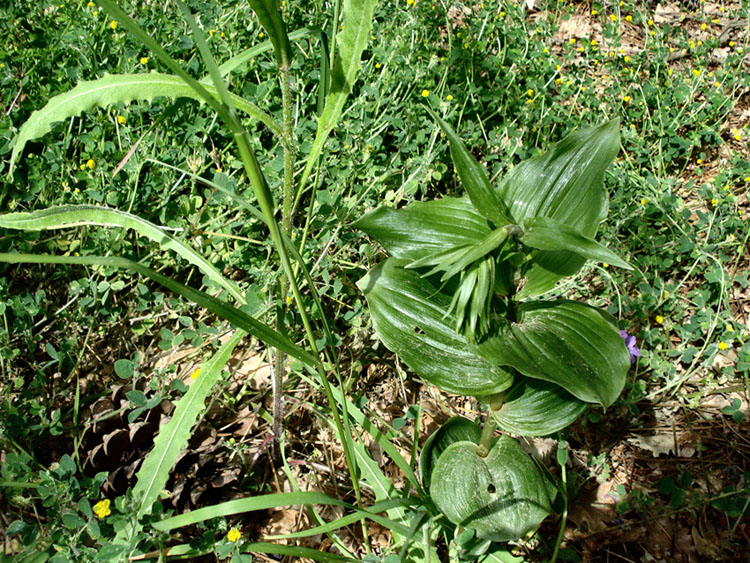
{"points": [[509, 80]]}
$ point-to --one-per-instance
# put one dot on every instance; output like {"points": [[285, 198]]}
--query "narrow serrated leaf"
{"points": [[112, 89]]}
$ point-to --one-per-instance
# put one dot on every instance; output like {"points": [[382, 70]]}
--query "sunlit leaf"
{"points": [[409, 315]]}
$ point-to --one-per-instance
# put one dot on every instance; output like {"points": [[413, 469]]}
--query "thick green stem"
{"points": [[488, 433]]}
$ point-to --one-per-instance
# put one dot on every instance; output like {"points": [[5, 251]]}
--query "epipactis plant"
{"points": [[455, 301]]}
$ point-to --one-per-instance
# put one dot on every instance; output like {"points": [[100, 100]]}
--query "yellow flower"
{"points": [[121, 119], [144, 60], [530, 92], [613, 17], [629, 18], [261, 35], [699, 161], [714, 201], [572, 40], [233, 535], [731, 43], [195, 374], [730, 328], [594, 12], [594, 42], [626, 99], [449, 97], [650, 22], [659, 319], [644, 200], [378, 65], [703, 27], [627, 59], [113, 24], [102, 509], [425, 93], [288, 299], [90, 163], [90, 4], [723, 345]]}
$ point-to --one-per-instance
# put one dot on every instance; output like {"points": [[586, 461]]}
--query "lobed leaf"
{"points": [[456, 429], [564, 342], [502, 496], [409, 315]]}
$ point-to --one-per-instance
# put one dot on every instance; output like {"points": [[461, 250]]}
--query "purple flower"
{"points": [[632, 349]]}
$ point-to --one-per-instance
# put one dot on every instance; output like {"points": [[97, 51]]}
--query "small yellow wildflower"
{"points": [[530, 92], [113, 24], [627, 59], [669, 72], [572, 40], [82, 167], [650, 23], [378, 65], [613, 17], [594, 42], [644, 200], [288, 299], [102, 509], [626, 99], [90, 4], [737, 134], [699, 161], [665, 293], [425, 93], [731, 43], [629, 18], [659, 319], [449, 97], [730, 328], [594, 12], [195, 374], [233, 535], [144, 60], [90, 163], [211, 32], [605, 265], [703, 27], [747, 178], [714, 201], [723, 345], [121, 119], [95, 13], [261, 35]]}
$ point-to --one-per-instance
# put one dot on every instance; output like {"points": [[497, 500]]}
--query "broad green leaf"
{"points": [[173, 436], [565, 184], [425, 228], [456, 429], [533, 407], [502, 496], [76, 215], [409, 315], [112, 89], [547, 234], [350, 42], [474, 178], [271, 20], [564, 342], [217, 307]]}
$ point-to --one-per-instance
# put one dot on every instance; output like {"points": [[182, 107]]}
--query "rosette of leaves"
{"points": [[456, 301]]}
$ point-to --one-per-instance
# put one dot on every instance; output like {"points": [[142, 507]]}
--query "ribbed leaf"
{"points": [[565, 184], [424, 228], [172, 437], [271, 20], [534, 407], [456, 429], [112, 89], [350, 42], [67, 216], [474, 178], [547, 234], [564, 342], [409, 315], [502, 496]]}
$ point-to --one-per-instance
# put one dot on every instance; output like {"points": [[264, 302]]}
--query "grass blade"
{"points": [[76, 215], [217, 307]]}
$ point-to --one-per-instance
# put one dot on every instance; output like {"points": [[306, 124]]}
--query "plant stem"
{"points": [[488, 433], [564, 519]]}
